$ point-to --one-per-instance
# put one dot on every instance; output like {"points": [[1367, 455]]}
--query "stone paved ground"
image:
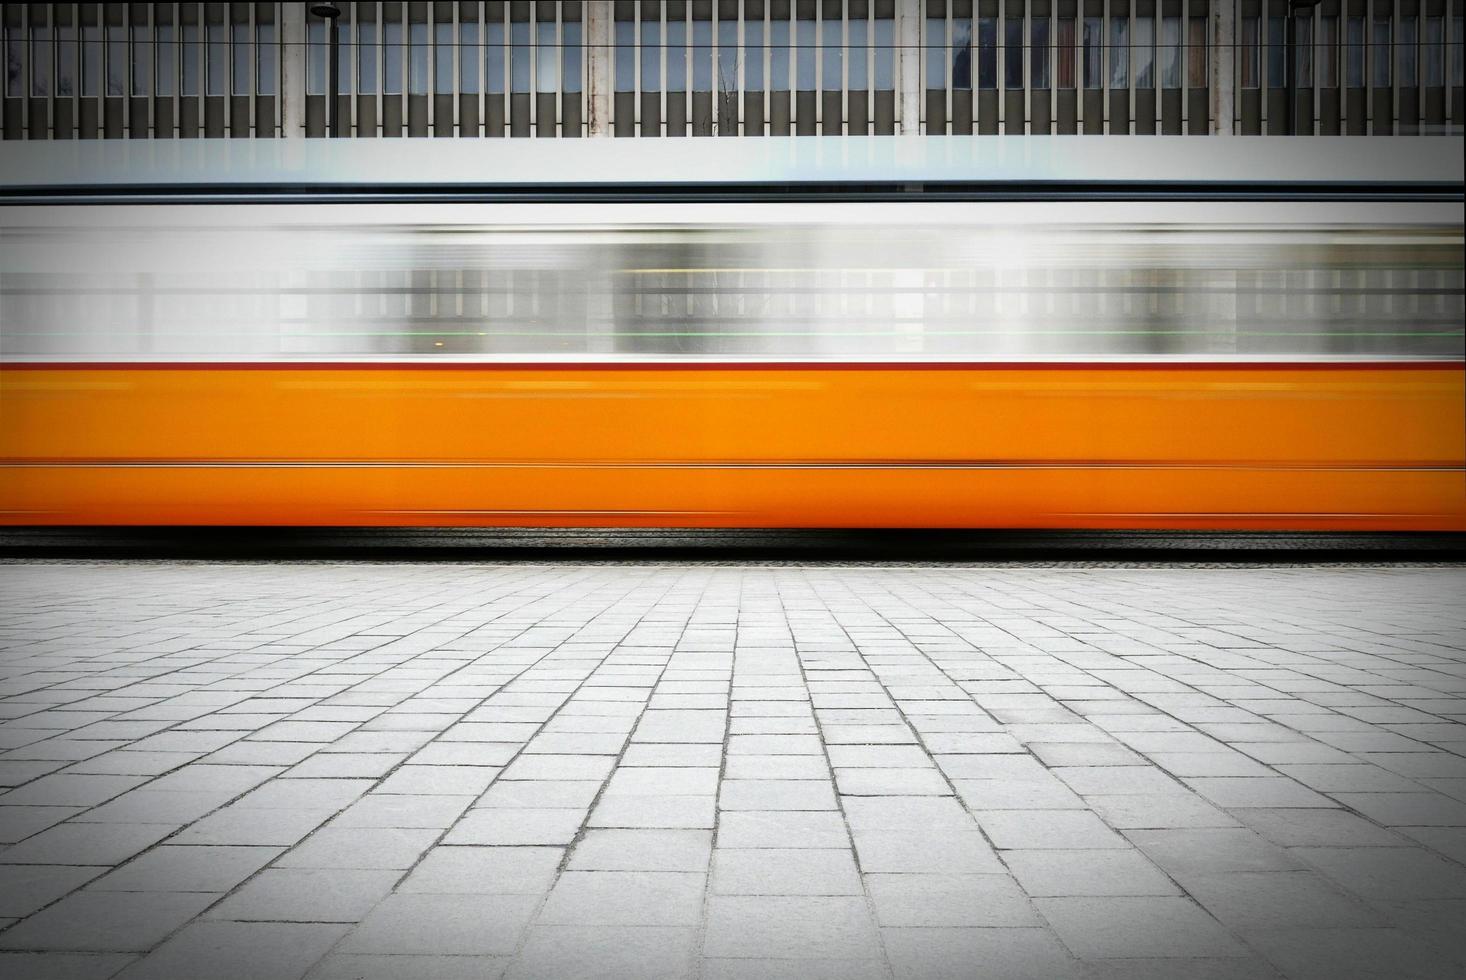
{"points": [[726, 771]]}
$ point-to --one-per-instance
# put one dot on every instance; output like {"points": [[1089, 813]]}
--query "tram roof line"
{"points": [[902, 166]]}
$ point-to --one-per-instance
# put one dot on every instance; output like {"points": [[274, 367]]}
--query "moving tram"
{"points": [[1048, 332]]}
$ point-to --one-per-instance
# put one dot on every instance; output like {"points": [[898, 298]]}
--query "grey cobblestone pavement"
{"points": [[644, 770]]}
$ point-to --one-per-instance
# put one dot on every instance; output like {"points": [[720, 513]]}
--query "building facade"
{"points": [[637, 68]]}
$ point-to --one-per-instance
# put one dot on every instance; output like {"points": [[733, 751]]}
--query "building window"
{"points": [[1328, 52], [1145, 52], [1303, 50], [1247, 53], [1380, 55], [1354, 56], [1171, 52], [1196, 55]]}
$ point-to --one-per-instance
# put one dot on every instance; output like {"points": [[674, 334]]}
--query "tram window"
{"points": [[417, 68], [728, 57], [1277, 52], [1303, 50], [625, 55], [1196, 65], [885, 54], [936, 53], [1247, 66], [443, 58], [1435, 40], [857, 62], [1065, 65], [1144, 52], [1409, 25], [91, 59], [391, 58], [676, 56], [218, 61], [1354, 53], [547, 57], [1013, 53], [468, 58], [66, 61], [779, 56], [804, 53], [1038, 53], [832, 64], [1093, 43], [1171, 52], [240, 50], [1119, 52], [1328, 52], [702, 57], [1380, 55], [519, 43], [265, 54]]}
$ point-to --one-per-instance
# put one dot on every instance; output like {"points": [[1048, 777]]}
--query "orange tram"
{"points": [[904, 333]]}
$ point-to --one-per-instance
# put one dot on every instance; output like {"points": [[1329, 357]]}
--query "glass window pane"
{"points": [[1171, 52], [91, 61], [1435, 39], [1066, 52], [546, 57], [189, 82], [1247, 62], [702, 56], [936, 53], [41, 60], [1328, 52], [1277, 52], [265, 59], [1144, 52], [417, 66], [779, 56], [366, 57], [1408, 40], [66, 60], [1119, 52], [14, 63], [117, 61], [885, 55], [1196, 64], [962, 54], [651, 56], [728, 57], [519, 56], [804, 53], [625, 56], [858, 53], [1013, 53], [1093, 45], [1458, 49], [219, 60], [392, 57], [1038, 53], [1380, 55], [676, 56], [240, 53], [1303, 50], [443, 58], [570, 56], [1354, 54], [832, 52], [753, 57]]}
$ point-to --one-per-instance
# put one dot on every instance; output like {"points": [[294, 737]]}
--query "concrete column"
{"points": [[908, 65], [1223, 81], [598, 53], [292, 76]]}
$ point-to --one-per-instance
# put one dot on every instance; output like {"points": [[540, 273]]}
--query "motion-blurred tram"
{"points": [[879, 332]]}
